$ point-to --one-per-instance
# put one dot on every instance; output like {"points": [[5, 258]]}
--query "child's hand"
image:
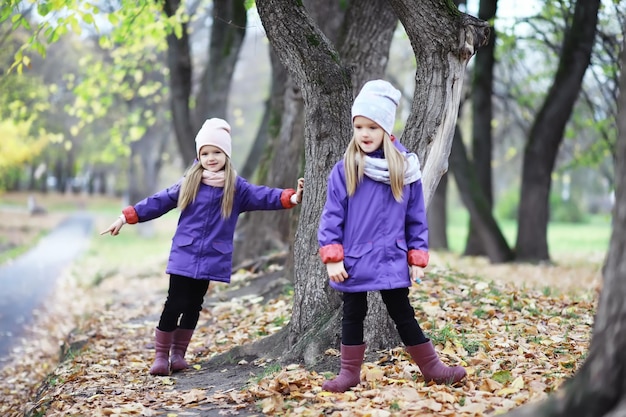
{"points": [[114, 229], [417, 273], [300, 190], [336, 271]]}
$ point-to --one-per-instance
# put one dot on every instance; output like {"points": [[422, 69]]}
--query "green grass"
{"points": [[130, 247], [563, 238]]}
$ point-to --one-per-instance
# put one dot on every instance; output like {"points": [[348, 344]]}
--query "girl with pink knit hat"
{"points": [[373, 236], [210, 198]]}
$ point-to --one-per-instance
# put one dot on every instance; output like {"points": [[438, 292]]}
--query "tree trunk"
{"points": [[546, 133], [482, 113], [438, 218], [443, 40], [227, 33], [145, 164], [476, 202], [599, 388], [228, 30], [261, 232]]}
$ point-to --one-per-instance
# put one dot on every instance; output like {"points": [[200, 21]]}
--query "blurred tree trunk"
{"points": [[477, 203], [482, 114], [146, 157], [259, 156], [443, 40], [547, 132], [227, 32], [438, 218], [598, 389]]}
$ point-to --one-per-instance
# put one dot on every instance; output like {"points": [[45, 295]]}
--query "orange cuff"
{"points": [[332, 253], [418, 257], [131, 215], [285, 198]]}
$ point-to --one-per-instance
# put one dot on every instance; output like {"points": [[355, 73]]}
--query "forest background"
{"points": [[101, 115]]}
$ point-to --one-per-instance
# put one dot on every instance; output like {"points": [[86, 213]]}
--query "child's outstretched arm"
{"points": [[299, 190], [115, 227]]}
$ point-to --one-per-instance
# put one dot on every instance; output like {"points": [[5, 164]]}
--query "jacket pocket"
{"points": [[357, 251], [401, 243], [182, 240], [223, 247], [220, 260], [358, 263]]}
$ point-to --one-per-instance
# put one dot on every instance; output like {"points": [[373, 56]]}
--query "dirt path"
{"points": [[27, 280]]}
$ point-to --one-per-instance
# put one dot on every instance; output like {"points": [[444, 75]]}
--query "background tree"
{"points": [[598, 388], [190, 110], [547, 133], [481, 150]]}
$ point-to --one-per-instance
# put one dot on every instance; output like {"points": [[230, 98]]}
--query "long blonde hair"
{"points": [[354, 166], [191, 183]]}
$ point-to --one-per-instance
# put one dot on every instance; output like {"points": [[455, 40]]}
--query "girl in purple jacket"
{"points": [[210, 198], [373, 236]]}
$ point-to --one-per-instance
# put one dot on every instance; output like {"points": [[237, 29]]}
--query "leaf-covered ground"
{"points": [[518, 341]]}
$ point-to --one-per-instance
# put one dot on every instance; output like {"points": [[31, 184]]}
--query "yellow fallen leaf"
{"points": [[490, 385], [506, 391], [375, 374], [197, 367], [193, 396], [166, 380], [430, 404], [448, 350], [518, 383]]}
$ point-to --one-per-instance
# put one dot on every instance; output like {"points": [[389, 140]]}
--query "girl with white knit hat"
{"points": [[210, 198], [373, 236]]}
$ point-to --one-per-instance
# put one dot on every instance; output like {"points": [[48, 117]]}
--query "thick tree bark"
{"points": [[482, 114], [443, 40], [476, 202], [546, 133], [227, 33], [599, 388]]}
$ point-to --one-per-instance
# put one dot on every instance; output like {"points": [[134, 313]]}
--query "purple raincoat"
{"points": [[376, 232], [202, 246]]}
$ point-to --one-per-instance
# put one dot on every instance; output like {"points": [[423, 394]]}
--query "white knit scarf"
{"points": [[378, 169]]}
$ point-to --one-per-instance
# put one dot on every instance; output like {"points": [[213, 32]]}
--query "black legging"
{"points": [[184, 301], [398, 307]]}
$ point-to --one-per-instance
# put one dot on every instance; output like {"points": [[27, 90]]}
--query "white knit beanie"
{"points": [[214, 132], [378, 101]]}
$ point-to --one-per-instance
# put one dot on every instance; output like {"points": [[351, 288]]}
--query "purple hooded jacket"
{"points": [[376, 237], [202, 246]]}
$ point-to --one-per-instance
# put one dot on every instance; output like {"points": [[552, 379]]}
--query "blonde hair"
{"points": [[191, 183], [354, 166]]}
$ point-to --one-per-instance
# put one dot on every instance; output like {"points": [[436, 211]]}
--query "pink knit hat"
{"points": [[214, 132]]}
